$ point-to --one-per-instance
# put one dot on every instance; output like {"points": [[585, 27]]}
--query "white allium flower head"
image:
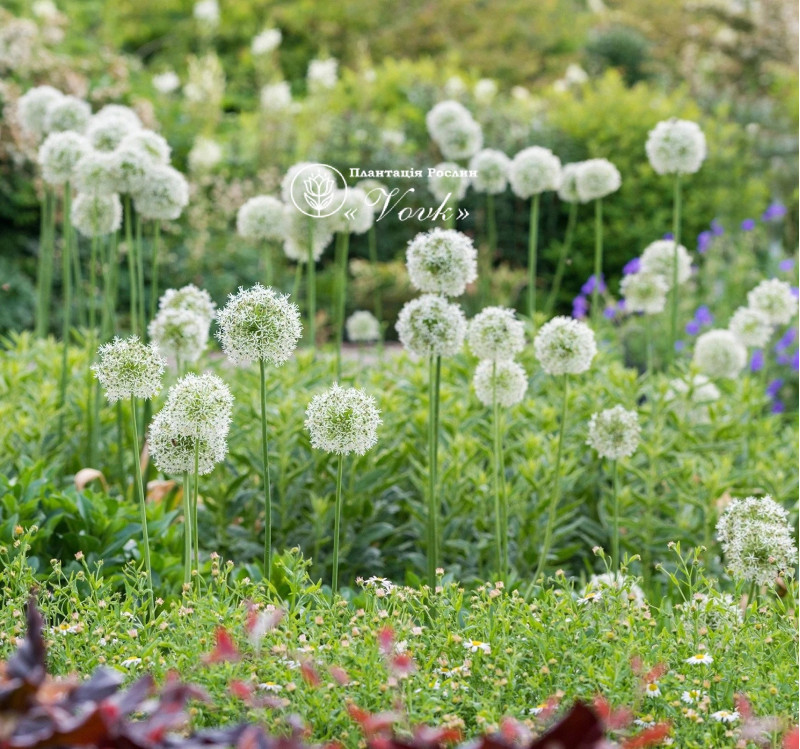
{"points": [[189, 298], [751, 326], [94, 173], [259, 323], [59, 154], [120, 111], [129, 368], [206, 153], [644, 292], [261, 217], [565, 346], [131, 167], [179, 332], [448, 180], [296, 180], [504, 379], [496, 334], [492, 171], [690, 400], [485, 90], [96, 214], [461, 140], [199, 406], [166, 82], [343, 421], [300, 230], [206, 11], [267, 41], [32, 109], [442, 261], [174, 454], [757, 540], [106, 132], [676, 147], [155, 146], [597, 178], [362, 327], [431, 326], [614, 433], [355, 203], [774, 298], [276, 97], [659, 256], [322, 75], [445, 115], [163, 194], [568, 189], [719, 353], [534, 170], [67, 113]]}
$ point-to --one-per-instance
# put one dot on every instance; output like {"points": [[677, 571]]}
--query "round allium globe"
{"points": [[362, 327], [59, 155], [565, 346], [504, 379], [492, 171], [32, 109], [460, 140], [431, 326], [614, 433], [259, 323], [659, 256], [120, 111], [175, 454], [106, 132], [568, 189], [534, 170], [496, 334], [322, 75], [355, 216], [644, 292], [485, 90], [774, 298], [676, 147], [179, 332], [68, 113], [595, 179], [343, 420], [131, 169], [276, 97], [261, 218], [199, 406], [300, 177], [447, 180], [162, 195], [750, 326], [757, 540], [189, 298], [95, 215], [206, 153], [300, 229], [444, 116], [442, 261], [690, 400], [94, 173], [719, 353], [128, 368], [153, 145]]}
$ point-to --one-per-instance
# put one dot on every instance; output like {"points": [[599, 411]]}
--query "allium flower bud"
{"points": [[59, 154], [750, 326], [690, 400], [431, 326], [162, 194], [614, 433], [261, 218], [259, 323], [94, 173], [568, 189], [447, 180], [174, 454], [504, 379], [757, 540], [597, 178], [343, 420], [565, 346], [106, 131], [534, 170], [68, 113], [153, 145], [180, 332], [442, 261], [32, 109], [199, 406], [95, 215], [362, 327], [644, 292], [775, 299], [718, 353], [659, 256], [492, 167], [299, 230], [676, 147], [355, 216], [496, 334], [129, 368]]}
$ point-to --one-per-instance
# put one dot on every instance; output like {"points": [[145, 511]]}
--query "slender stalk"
{"points": [[187, 530], [563, 254], [533, 241], [501, 531], [140, 275], [45, 273], [615, 509], [195, 494], [485, 272], [120, 456], [337, 520], [434, 381], [110, 289], [267, 256], [154, 268], [676, 232], [132, 275], [66, 280], [450, 221], [373, 258], [343, 246], [267, 484], [77, 282], [298, 277], [598, 259], [91, 344], [556, 496], [142, 509], [312, 289]]}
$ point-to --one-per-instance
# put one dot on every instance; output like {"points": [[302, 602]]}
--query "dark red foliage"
{"points": [[612, 719], [224, 649], [652, 736]]}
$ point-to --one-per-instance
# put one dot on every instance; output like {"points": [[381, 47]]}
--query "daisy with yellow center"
{"points": [[475, 645], [652, 690], [701, 658], [690, 696], [725, 716], [538, 709]]}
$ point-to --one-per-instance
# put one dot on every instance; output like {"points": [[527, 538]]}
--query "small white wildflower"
{"points": [[448, 180], [652, 690], [751, 326], [725, 716], [658, 257], [701, 659], [506, 380], [614, 433], [276, 97], [676, 147], [690, 696], [207, 12], [644, 292], [774, 298], [322, 75], [162, 194], [565, 346], [261, 218], [96, 215], [475, 645], [492, 171], [32, 109], [496, 334], [595, 179], [179, 332], [265, 42], [431, 326], [362, 327], [59, 155], [130, 662], [166, 82], [127, 368], [67, 113], [206, 153], [533, 171], [442, 261], [343, 420], [623, 587], [718, 353]]}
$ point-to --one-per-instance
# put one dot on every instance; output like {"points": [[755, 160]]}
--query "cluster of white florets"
{"points": [[431, 326], [533, 171], [96, 214], [659, 258], [491, 167], [454, 130], [565, 346], [614, 433], [448, 179], [363, 327], [644, 292], [504, 381], [129, 368], [719, 354], [343, 420], [442, 261], [676, 147]]}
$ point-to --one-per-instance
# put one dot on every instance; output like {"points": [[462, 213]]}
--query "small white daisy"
{"points": [[538, 709], [690, 696], [475, 645], [652, 690], [270, 686], [129, 662], [725, 716], [591, 597], [700, 658]]}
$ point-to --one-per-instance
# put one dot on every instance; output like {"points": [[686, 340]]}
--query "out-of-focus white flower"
{"points": [[276, 97], [96, 214], [676, 147], [431, 326], [565, 346], [130, 165], [163, 194], [442, 261], [492, 171], [725, 716], [444, 115], [597, 178], [454, 130], [94, 173], [505, 380], [658, 257], [106, 132], [448, 179], [129, 368], [151, 144], [690, 400], [322, 75], [644, 292], [363, 327], [267, 41], [199, 406], [207, 12], [454, 86], [179, 332], [355, 216], [568, 189], [166, 82], [774, 299], [718, 353], [206, 153], [302, 231], [620, 586], [375, 192], [392, 138], [343, 420], [751, 326], [261, 217], [175, 454], [485, 91], [32, 109], [45, 9], [575, 75], [496, 334], [59, 155], [120, 111], [700, 659], [614, 433], [534, 170], [189, 298], [67, 113]]}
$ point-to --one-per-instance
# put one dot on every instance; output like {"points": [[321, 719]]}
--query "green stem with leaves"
{"points": [[337, 520], [615, 559], [598, 260], [137, 466], [533, 242], [563, 254], [676, 233], [132, 274], [266, 477]]}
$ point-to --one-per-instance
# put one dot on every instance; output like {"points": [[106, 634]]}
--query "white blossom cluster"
{"points": [[676, 147], [614, 433], [691, 400], [496, 334], [181, 327], [302, 231], [322, 75], [431, 326], [719, 354], [504, 380], [565, 346], [96, 214], [442, 261], [261, 218], [492, 171], [454, 130], [265, 42], [644, 292], [595, 179], [363, 327], [659, 256], [129, 368], [355, 216], [775, 300], [343, 420], [568, 188], [534, 170], [447, 179]]}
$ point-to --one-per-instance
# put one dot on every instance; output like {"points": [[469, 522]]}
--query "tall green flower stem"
{"points": [[556, 495], [298, 277], [45, 270], [676, 232], [132, 273], [486, 258], [140, 276], [195, 494], [154, 268], [563, 254], [92, 402], [312, 289], [267, 483], [372, 243], [342, 251], [598, 259], [615, 510], [188, 524], [137, 466], [500, 499], [110, 288], [533, 242], [337, 521], [66, 280], [434, 382]]}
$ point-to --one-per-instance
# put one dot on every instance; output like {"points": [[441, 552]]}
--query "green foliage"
{"points": [[621, 48]]}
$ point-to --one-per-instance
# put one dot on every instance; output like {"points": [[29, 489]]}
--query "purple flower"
{"points": [[786, 340], [796, 361], [716, 228], [775, 211], [748, 224], [704, 240], [703, 315], [588, 287], [774, 388], [786, 265], [680, 345], [609, 313], [669, 235], [778, 407], [692, 327], [631, 267], [621, 305], [579, 307], [795, 292], [757, 361]]}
